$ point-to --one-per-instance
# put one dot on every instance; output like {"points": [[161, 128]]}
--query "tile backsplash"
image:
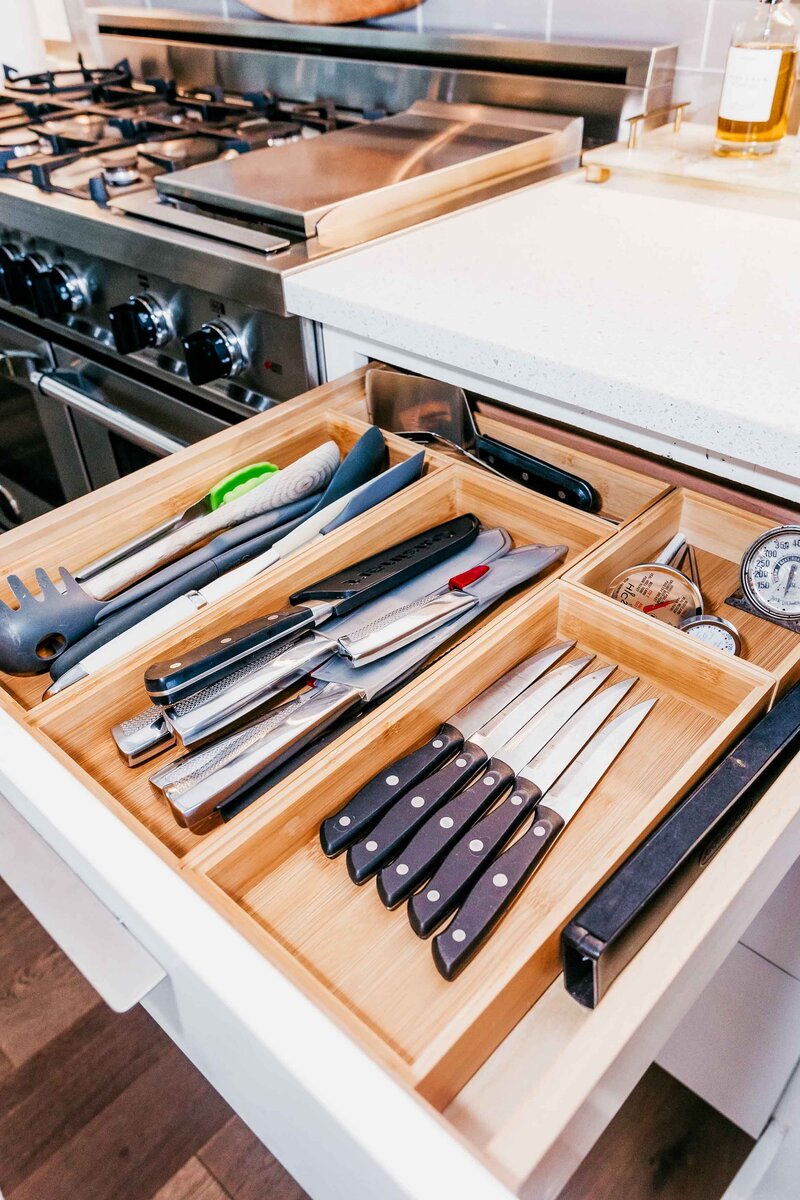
{"points": [[702, 28]]}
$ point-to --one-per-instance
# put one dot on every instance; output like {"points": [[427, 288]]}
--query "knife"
{"points": [[504, 879], [201, 717], [405, 816], [75, 664], [430, 843], [372, 800], [354, 586], [197, 784], [467, 859]]}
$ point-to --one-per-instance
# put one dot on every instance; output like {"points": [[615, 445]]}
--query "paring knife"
{"points": [[336, 595], [467, 859], [406, 815], [321, 522], [504, 879], [390, 784], [416, 860], [256, 682], [196, 785]]}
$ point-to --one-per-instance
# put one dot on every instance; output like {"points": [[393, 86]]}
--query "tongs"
{"points": [[428, 410]]}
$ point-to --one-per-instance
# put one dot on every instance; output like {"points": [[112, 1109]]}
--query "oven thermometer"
{"points": [[714, 631], [770, 573], [658, 588]]}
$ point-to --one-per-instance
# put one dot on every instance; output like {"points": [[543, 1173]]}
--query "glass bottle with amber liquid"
{"points": [[759, 82]]}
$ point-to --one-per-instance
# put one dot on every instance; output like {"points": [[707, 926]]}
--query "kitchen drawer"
{"points": [[80, 719], [775, 933], [720, 534], [624, 492]]}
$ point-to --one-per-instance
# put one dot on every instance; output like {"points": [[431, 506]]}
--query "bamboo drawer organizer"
{"points": [[265, 872]]}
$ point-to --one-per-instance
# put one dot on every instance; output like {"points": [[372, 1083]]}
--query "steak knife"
{"points": [[467, 859], [405, 816], [334, 596], [367, 805], [213, 710], [197, 784], [504, 879], [418, 858]]}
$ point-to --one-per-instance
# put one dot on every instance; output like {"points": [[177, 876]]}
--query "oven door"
{"points": [[41, 465], [119, 423]]}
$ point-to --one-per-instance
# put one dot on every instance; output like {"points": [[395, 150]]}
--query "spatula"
{"points": [[428, 410]]}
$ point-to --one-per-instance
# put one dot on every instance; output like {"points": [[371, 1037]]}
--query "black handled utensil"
{"points": [[467, 858], [397, 825], [505, 877], [430, 843]]}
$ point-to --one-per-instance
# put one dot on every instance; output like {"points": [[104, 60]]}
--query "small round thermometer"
{"points": [[714, 631], [658, 590], [770, 574]]}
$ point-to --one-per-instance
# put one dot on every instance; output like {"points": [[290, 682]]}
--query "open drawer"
{"points": [[497, 1084]]}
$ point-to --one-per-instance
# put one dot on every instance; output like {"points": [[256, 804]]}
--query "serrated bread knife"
{"points": [[197, 784]]}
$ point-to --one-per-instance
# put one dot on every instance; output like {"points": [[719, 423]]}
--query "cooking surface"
{"points": [[306, 179]]}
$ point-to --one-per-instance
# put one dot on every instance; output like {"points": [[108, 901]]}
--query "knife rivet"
{"points": [[344, 822], [432, 895], [402, 869], [461, 762], [500, 880], [392, 780], [539, 831], [437, 743], [476, 844], [224, 641], [516, 799], [372, 846], [458, 935], [488, 780], [446, 822], [417, 801], [174, 666]]}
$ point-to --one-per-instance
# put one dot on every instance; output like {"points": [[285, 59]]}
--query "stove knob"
{"points": [[57, 291], [11, 285], [140, 323], [32, 265], [213, 352]]}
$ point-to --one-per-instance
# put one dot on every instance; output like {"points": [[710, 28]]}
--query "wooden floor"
{"points": [[96, 1106]]}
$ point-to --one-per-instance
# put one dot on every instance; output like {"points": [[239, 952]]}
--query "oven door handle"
{"points": [[147, 436]]}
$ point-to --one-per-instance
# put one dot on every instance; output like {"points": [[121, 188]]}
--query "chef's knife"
{"points": [[467, 859], [254, 683], [196, 785], [417, 807], [504, 879], [390, 784], [415, 861], [75, 664], [336, 595]]}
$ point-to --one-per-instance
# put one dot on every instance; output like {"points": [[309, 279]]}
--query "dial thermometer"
{"points": [[659, 588], [770, 573], [714, 631]]}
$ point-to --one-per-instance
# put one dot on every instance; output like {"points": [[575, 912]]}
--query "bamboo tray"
{"points": [[720, 533], [79, 720], [81, 531], [363, 964]]}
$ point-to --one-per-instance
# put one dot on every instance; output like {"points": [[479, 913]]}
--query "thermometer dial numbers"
{"points": [[770, 573], [660, 591], [714, 631]]}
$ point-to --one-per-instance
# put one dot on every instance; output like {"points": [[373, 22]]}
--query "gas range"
{"points": [[150, 211]]}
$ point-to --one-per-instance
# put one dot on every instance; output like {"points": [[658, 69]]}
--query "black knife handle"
{"points": [[415, 862], [372, 577], [405, 816], [468, 858], [538, 475], [343, 827], [175, 679], [494, 893]]}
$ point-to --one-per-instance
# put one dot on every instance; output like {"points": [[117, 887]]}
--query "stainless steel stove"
{"points": [[151, 210]]}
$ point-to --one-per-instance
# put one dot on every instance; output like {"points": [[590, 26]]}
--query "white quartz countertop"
{"points": [[674, 311]]}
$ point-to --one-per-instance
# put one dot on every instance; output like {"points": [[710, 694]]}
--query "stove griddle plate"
{"points": [[308, 178]]}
